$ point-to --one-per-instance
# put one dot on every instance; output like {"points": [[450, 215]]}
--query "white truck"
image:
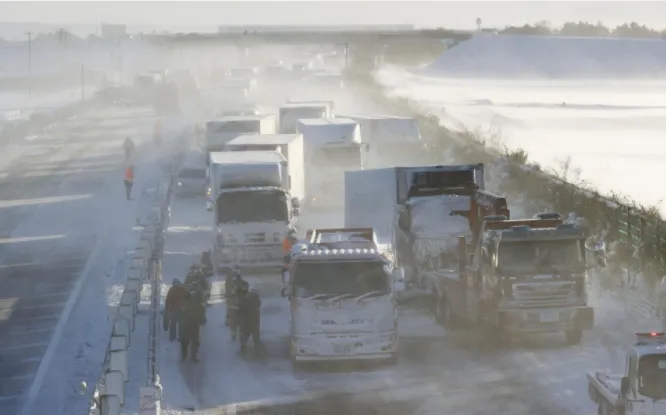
{"points": [[289, 145], [290, 113], [332, 146], [253, 208], [224, 129], [641, 390], [330, 105], [391, 139], [342, 291]]}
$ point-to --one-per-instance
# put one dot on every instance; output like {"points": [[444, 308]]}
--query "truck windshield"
{"points": [[252, 206], [342, 157], [342, 277], [652, 376], [534, 257], [192, 174], [236, 127]]}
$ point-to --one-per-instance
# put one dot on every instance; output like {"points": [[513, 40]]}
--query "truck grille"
{"points": [[255, 237], [544, 294]]}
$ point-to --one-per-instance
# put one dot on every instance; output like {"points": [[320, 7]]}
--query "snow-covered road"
{"points": [[438, 372], [65, 229]]}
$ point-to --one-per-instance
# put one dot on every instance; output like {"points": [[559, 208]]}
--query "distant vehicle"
{"points": [[193, 175], [224, 129]]}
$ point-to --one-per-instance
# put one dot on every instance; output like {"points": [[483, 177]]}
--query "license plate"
{"points": [[342, 348], [549, 316]]}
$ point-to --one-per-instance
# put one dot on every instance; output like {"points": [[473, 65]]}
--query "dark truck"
{"points": [[517, 276]]}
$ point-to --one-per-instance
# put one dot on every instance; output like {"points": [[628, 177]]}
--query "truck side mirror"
{"points": [[624, 385], [398, 275], [295, 202]]}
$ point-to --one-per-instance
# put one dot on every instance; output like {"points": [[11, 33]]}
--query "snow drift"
{"points": [[512, 56]]}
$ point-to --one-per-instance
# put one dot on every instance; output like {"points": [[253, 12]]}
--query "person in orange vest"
{"points": [[129, 181], [287, 244]]}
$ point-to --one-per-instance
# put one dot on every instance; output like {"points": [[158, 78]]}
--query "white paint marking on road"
{"points": [[36, 386]]}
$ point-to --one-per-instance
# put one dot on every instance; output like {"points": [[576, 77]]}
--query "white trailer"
{"points": [[641, 390], [289, 145], [253, 209], [224, 129], [332, 146], [343, 294], [330, 105], [289, 114], [391, 139]]}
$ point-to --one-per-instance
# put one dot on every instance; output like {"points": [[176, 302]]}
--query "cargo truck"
{"points": [[289, 145], [332, 146], [392, 140], [289, 114], [222, 130], [253, 208], [342, 291]]}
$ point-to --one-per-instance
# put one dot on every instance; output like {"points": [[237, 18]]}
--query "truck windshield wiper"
{"points": [[317, 296], [371, 294], [341, 296]]}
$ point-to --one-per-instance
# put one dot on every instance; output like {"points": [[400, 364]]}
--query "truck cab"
{"points": [[521, 276], [641, 389], [343, 294]]}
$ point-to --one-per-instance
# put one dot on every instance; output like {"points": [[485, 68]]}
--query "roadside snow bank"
{"points": [[516, 56]]}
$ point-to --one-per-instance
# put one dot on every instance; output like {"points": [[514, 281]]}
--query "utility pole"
{"points": [[346, 55], [29, 63], [83, 82]]}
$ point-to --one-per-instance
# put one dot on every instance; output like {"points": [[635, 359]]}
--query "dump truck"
{"points": [[516, 276], [640, 390], [342, 290]]}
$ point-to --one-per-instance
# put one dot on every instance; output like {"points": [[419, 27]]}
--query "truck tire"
{"points": [[573, 337], [444, 315]]}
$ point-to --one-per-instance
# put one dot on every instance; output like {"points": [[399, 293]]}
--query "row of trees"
{"points": [[632, 29]]}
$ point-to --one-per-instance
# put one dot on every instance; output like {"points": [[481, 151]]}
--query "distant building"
{"points": [[313, 28], [113, 31]]}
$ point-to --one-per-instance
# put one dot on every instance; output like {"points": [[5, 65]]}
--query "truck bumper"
{"points": [[546, 320], [370, 347], [251, 256]]}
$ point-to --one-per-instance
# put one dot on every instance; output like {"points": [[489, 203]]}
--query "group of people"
{"points": [[186, 302]]}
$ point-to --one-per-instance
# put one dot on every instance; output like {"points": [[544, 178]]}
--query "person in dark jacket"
{"points": [[231, 285], [176, 298], [249, 317], [206, 262], [194, 317]]}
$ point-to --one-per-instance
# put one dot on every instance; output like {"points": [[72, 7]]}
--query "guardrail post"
{"points": [[150, 400], [118, 356], [113, 385], [127, 312], [130, 299]]}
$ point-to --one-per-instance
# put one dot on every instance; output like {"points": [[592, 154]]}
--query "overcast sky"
{"points": [[208, 15]]}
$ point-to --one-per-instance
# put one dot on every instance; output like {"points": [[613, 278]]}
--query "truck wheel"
{"points": [[573, 337]]}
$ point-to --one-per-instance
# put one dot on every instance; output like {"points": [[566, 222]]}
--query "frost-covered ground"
{"points": [[611, 129], [22, 101]]}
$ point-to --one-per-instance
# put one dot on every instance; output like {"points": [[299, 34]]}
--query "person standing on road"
{"points": [[231, 285], [249, 318], [129, 181], [128, 146], [175, 301], [194, 317]]}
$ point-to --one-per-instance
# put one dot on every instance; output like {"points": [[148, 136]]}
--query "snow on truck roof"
{"points": [[309, 104], [268, 139], [246, 157], [327, 121]]}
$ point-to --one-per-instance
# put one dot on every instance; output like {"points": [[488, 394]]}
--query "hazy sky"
{"points": [[430, 14]]}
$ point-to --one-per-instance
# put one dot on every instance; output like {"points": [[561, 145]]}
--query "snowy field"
{"points": [[21, 100], [553, 97]]}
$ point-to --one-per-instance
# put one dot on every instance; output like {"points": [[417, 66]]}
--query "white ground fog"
{"points": [[611, 129]]}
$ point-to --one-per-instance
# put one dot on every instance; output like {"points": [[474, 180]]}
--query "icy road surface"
{"points": [[612, 130], [65, 230], [438, 372]]}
